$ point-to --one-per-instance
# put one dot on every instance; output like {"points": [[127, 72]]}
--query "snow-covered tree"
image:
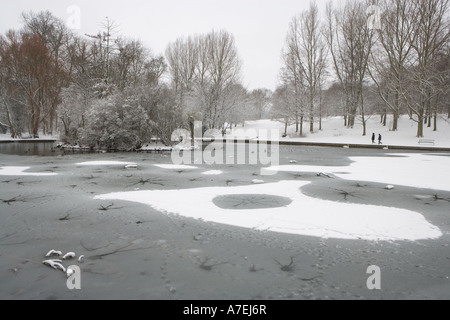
{"points": [[114, 123], [261, 100]]}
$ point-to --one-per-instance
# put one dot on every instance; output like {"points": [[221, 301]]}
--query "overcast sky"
{"points": [[259, 26]]}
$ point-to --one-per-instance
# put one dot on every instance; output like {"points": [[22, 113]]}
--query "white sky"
{"points": [[259, 26]]}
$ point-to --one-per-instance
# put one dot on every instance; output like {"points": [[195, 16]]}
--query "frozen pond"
{"points": [[29, 148], [176, 240]]}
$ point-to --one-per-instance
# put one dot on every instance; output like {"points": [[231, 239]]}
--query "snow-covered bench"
{"points": [[427, 141]]}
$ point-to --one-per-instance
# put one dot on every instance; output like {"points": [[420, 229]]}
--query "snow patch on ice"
{"points": [[19, 171], [304, 216], [256, 181], [213, 173], [428, 171], [175, 167], [105, 163]]}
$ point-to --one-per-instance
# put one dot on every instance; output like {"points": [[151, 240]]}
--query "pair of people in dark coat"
{"points": [[380, 138]]}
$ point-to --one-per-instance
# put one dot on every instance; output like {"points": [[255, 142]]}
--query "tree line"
{"points": [[110, 91], [398, 65]]}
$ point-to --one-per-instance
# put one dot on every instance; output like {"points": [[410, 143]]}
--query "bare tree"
{"points": [[261, 100], [205, 72], [34, 76], [433, 35], [284, 105], [399, 23], [104, 46], [292, 74], [308, 51], [56, 37], [350, 41]]}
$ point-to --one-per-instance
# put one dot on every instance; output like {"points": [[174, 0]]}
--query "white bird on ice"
{"points": [[256, 181], [53, 253], [70, 272], [70, 255], [55, 264]]}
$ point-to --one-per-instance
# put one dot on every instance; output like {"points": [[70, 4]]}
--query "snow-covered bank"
{"points": [[335, 132], [7, 137], [304, 216]]}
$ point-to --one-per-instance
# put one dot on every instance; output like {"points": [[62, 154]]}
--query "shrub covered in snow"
{"points": [[115, 123]]}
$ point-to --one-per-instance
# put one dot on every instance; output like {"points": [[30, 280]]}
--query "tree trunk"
{"points": [[364, 124], [395, 124], [435, 121], [35, 122], [420, 127], [396, 109], [384, 117], [10, 122], [351, 121], [320, 110], [301, 126], [192, 129]]}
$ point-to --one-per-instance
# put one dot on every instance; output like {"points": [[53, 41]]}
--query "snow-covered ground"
{"points": [[335, 132], [7, 137], [413, 170]]}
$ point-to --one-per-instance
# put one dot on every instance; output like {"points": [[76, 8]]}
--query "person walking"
{"points": [[373, 138], [380, 139]]}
